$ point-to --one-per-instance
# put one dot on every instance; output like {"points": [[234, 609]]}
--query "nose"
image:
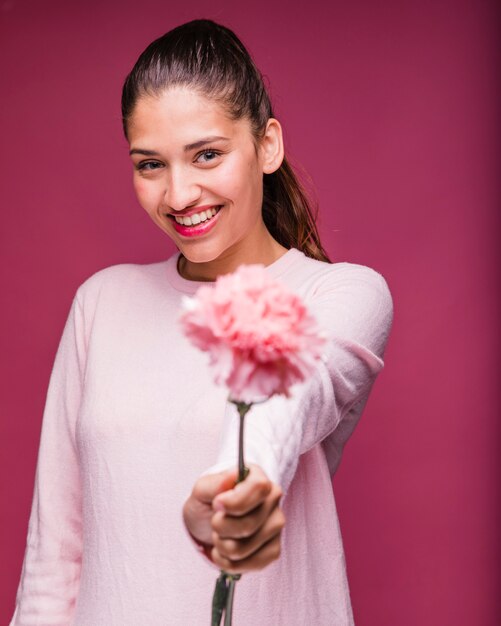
{"points": [[182, 189]]}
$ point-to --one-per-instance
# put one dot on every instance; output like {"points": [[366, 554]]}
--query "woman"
{"points": [[133, 476]]}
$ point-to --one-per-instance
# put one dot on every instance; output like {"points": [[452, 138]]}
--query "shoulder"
{"points": [[361, 281], [349, 300], [119, 281], [342, 280]]}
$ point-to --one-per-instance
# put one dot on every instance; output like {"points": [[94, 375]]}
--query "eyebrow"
{"points": [[190, 146]]}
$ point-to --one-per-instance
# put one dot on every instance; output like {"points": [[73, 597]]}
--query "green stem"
{"points": [[229, 598], [242, 408], [230, 580]]}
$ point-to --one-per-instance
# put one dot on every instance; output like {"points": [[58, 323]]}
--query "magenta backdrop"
{"points": [[393, 110]]}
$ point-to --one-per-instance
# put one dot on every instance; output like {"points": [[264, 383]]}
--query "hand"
{"points": [[245, 536]]}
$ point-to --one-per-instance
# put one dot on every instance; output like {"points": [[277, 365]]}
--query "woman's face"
{"points": [[193, 164]]}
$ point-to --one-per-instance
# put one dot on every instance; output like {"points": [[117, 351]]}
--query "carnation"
{"points": [[260, 337]]}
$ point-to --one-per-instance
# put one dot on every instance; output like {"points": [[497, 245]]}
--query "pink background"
{"points": [[393, 109]]}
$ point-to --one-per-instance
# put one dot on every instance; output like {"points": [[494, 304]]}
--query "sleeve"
{"points": [[355, 308], [50, 574]]}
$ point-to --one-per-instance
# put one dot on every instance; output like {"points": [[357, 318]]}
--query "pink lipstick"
{"points": [[196, 230]]}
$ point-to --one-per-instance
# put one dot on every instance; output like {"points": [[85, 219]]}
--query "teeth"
{"points": [[196, 218]]}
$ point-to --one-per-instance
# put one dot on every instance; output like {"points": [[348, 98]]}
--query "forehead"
{"points": [[180, 114]]}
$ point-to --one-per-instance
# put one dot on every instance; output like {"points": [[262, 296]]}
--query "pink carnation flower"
{"points": [[260, 337]]}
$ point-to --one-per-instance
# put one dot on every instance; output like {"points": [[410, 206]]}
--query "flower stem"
{"points": [[225, 587], [243, 408], [229, 598]]}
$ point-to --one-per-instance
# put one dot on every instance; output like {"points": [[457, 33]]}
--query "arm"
{"points": [[354, 306], [50, 575], [357, 308]]}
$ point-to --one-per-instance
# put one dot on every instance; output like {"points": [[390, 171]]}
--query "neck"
{"points": [[266, 253]]}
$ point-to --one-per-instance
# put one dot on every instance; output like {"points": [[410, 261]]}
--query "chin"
{"points": [[196, 254]]}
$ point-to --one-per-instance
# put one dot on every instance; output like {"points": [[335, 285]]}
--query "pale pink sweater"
{"points": [[133, 419]]}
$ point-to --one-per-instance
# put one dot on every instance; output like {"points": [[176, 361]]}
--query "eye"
{"points": [[209, 154], [148, 166]]}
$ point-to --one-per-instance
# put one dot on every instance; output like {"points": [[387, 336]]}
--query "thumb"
{"points": [[209, 486]]}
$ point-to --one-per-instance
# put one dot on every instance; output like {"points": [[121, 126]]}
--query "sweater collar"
{"points": [[275, 269]]}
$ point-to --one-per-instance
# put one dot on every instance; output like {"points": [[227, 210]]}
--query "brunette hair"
{"points": [[209, 58]]}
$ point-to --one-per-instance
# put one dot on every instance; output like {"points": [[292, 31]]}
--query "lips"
{"points": [[196, 229]]}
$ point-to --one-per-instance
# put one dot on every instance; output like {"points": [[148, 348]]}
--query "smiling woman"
{"points": [[182, 181], [135, 506]]}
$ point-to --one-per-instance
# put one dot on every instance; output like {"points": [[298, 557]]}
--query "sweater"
{"points": [[133, 419]]}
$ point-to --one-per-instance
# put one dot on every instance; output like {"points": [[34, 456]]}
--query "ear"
{"points": [[272, 146]]}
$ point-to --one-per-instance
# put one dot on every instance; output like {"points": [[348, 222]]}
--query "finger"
{"points": [[268, 553], [239, 549], [231, 527], [245, 496], [210, 485], [238, 527], [228, 481]]}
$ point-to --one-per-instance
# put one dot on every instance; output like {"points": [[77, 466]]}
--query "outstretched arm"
{"points": [[355, 307]]}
